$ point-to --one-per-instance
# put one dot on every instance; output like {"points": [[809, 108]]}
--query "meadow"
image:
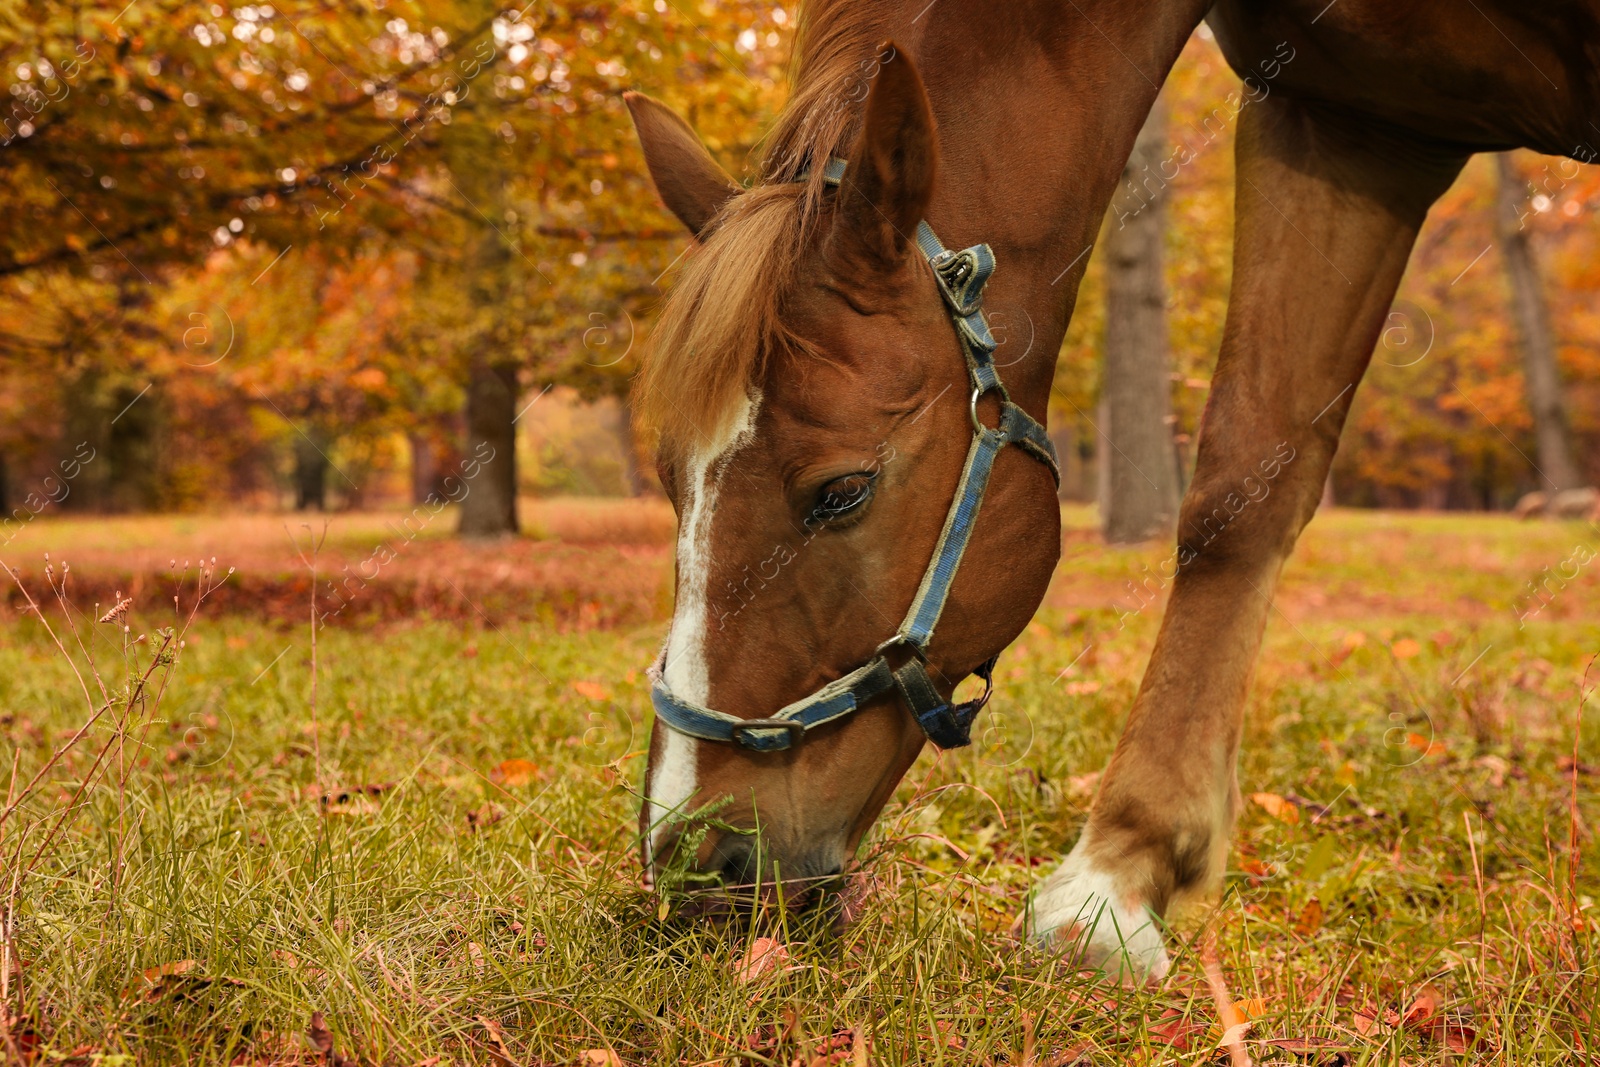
{"points": [[415, 840]]}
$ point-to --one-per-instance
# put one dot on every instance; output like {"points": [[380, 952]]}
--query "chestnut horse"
{"points": [[824, 399]]}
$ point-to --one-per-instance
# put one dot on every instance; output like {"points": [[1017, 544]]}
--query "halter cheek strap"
{"points": [[961, 276]]}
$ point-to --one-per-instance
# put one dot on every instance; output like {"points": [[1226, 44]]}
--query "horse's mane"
{"points": [[723, 317]]}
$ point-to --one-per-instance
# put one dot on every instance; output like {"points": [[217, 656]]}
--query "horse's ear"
{"points": [[690, 182], [889, 179]]}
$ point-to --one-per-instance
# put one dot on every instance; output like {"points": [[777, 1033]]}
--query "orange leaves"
{"points": [[764, 958], [591, 690], [1310, 920], [1424, 1017], [1277, 807], [1406, 648], [514, 773]]}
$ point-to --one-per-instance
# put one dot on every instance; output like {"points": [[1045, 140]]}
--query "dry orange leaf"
{"points": [[1422, 1009], [599, 1057], [591, 690], [154, 975], [512, 773], [1405, 648], [1310, 920], [1425, 745], [1277, 807], [1254, 1008], [761, 960]]}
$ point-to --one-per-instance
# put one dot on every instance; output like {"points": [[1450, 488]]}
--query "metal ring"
{"points": [[972, 408]]}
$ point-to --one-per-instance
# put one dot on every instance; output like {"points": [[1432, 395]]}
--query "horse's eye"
{"points": [[841, 497]]}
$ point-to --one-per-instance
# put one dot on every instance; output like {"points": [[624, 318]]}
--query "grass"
{"points": [[439, 855]]}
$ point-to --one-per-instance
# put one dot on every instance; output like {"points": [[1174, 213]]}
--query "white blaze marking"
{"points": [[685, 671]]}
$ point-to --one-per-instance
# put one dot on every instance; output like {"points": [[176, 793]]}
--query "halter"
{"points": [[961, 277]]}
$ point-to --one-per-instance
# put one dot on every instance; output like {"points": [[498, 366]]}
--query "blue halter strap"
{"points": [[961, 276]]}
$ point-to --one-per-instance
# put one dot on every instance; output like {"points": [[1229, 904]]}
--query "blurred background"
{"points": [[323, 257]]}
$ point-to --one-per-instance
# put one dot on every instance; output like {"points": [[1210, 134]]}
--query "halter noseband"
{"points": [[961, 277]]}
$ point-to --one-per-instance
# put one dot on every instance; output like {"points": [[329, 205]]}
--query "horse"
{"points": [[843, 453]]}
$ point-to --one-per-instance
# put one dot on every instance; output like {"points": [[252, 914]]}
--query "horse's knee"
{"points": [[1249, 513]]}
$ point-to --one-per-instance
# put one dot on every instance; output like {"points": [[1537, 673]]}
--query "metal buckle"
{"points": [[954, 269], [796, 730]]}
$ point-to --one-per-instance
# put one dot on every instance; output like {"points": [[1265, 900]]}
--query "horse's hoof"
{"points": [[1080, 911]]}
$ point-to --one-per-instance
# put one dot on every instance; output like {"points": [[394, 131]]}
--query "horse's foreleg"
{"points": [[1327, 211]]}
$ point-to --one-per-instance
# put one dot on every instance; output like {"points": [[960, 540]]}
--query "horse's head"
{"points": [[814, 405]]}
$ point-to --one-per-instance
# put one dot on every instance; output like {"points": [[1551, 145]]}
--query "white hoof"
{"points": [[1080, 908]]}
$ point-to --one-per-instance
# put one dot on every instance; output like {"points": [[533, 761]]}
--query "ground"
{"points": [[433, 846]]}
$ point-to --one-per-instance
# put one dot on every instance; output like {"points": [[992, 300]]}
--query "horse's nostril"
{"points": [[736, 863]]}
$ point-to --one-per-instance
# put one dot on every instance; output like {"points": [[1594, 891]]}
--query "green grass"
{"points": [[372, 863]]}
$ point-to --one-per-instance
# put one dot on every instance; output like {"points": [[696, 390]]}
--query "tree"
{"points": [[1140, 493], [1535, 337]]}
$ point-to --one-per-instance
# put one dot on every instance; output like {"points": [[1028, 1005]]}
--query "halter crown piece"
{"points": [[961, 276]]}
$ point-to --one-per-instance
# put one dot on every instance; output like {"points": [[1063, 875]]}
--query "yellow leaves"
{"points": [[1277, 807]]}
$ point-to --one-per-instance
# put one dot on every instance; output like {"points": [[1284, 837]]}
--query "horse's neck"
{"points": [[1038, 104]]}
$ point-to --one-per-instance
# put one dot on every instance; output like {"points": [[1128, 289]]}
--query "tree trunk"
{"points": [[634, 479], [489, 508], [1140, 496], [1534, 335], [424, 466], [310, 473]]}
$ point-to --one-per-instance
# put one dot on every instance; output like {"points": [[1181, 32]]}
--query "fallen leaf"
{"points": [[1177, 1031], [154, 975], [1255, 869], [319, 1035], [1405, 648], [599, 1057], [497, 1042], [1254, 1008], [1234, 1034], [591, 690], [1067, 1057], [1426, 745], [1277, 807], [513, 773], [1310, 920], [762, 959], [1422, 1009]]}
